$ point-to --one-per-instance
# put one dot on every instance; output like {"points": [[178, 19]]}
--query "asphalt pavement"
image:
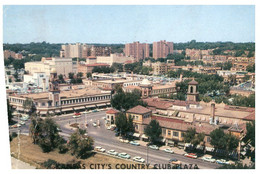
{"points": [[106, 139]]}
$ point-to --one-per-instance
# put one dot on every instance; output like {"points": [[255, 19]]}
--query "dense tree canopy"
{"points": [[153, 131], [124, 100]]}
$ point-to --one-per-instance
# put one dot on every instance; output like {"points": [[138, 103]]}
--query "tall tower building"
{"points": [[162, 48], [192, 94], [54, 90], [137, 50]]}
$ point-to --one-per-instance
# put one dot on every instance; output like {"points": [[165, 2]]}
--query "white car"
{"points": [[168, 150], [112, 152], [22, 122], [104, 118], [154, 147], [94, 124], [222, 161], [76, 116], [100, 149], [138, 159], [109, 127], [123, 140], [209, 159]]}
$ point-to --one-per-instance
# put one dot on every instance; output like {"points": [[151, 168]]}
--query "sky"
{"points": [[126, 24]]}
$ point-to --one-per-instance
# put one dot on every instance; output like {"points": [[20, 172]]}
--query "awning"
{"points": [[103, 104], [199, 147], [144, 136], [57, 111], [66, 109], [171, 142], [136, 135], [209, 149], [90, 106], [50, 112], [43, 112], [181, 144], [80, 107], [188, 144]]}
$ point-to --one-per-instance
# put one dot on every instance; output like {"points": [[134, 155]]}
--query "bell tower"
{"points": [[54, 90], [192, 94]]}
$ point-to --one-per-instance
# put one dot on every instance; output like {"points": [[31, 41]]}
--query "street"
{"points": [[106, 139]]}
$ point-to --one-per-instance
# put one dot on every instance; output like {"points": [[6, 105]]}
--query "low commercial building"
{"points": [[63, 66], [114, 58], [56, 101], [88, 68], [111, 115]]}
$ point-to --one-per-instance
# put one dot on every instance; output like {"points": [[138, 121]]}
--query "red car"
{"points": [[191, 155]]}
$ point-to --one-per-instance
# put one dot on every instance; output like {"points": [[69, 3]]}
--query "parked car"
{"points": [[124, 155], [209, 159], [59, 130], [112, 152], [191, 155], [222, 161], [104, 118], [109, 127], [94, 124], [112, 128], [100, 149], [22, 122], [138, 159], [123, 140], [154, 147], [95, 110], [25, 118], [134, 143], [174, 161], [76, 116], [168, 150], [117, 134]]}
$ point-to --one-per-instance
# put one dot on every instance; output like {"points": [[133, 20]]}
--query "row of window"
{"points": [[162, 90], [74, 101]]}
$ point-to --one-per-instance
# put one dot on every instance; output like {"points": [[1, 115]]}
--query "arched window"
{"points": [[191, 89]]}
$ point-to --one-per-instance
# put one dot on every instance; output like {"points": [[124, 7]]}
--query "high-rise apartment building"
{"points": [[137, 50], [83, 50], [162, 48]]}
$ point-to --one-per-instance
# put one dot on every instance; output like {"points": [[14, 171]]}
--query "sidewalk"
{"points": [[18, 164]]}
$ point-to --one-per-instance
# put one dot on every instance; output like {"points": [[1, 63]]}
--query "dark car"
{"points": [[117, 134]]}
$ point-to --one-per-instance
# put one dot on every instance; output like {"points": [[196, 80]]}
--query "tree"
{"points": [[122, 123], [10, 112], [80, 75], [29, 106], [89, 75], [153, 131], [251, 68], [124, 100], [218, 139], [35, 128], [221, 140], [61, 79], [250, 133], [191, 137], [71, 76], [49, 135], [80, 145], [231, 142]]}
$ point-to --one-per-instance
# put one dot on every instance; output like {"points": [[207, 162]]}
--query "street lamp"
{"points": [[147, 152]]}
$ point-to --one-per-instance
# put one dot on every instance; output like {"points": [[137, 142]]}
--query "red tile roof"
{"points": [[250, 117], [112, 111], [139, 110]]}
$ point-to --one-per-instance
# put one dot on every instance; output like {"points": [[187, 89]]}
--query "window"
{"points": [[136, 127], [43, 104], [182, 134], [169, 132], [175, 134]]}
